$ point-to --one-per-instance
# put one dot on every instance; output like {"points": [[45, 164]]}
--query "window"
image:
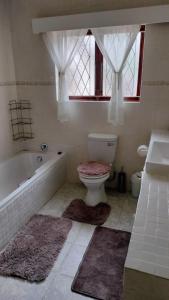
{"points": [[90, 76]]}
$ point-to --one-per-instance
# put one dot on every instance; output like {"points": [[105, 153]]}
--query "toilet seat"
{"points": [[93, 177], [93, 169]]}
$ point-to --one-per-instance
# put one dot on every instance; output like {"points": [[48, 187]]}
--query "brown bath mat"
{"points": [[32, 253], [80, 212], [100, 274]]}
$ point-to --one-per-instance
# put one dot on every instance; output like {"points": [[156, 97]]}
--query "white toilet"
{"points": [[94, 173]]}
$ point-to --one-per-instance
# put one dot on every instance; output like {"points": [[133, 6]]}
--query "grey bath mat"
{"points": [[32, 253], [100, 274], [80, 212]]}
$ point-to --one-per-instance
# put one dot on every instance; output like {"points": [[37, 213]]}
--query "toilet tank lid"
{"points": [[102, 137]]}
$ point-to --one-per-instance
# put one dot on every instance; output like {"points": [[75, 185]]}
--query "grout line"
{"points": [[52, 83]]}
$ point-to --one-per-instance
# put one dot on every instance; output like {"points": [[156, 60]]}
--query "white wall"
{"points": [[44, 8], [7, 83], [34, 67]]}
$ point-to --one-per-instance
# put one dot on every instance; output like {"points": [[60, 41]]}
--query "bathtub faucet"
{"points": [[39, 158], [44, 147]]}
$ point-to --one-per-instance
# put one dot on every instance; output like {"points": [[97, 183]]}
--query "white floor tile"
{"points": [[74, 232], [71, 263], [60, 289], [85, 234]]}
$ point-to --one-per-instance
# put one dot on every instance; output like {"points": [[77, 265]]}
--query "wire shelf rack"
{"points": [[21, 121]]}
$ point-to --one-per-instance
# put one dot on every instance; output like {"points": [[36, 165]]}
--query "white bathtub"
{"points": [[27, 181]]}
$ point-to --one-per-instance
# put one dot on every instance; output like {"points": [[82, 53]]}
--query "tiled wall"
{"points": [[7, 83], [35, 77]]}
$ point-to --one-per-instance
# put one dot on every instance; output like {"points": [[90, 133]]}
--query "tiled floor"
{"points": [[58, 284]]}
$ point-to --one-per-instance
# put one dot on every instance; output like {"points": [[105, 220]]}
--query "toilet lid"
{"points": [[94, 168]]}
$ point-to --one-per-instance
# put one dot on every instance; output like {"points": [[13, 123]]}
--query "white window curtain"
{"points": [[115, 44], [62, 46]]}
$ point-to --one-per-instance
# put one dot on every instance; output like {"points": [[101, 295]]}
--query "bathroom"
{"points": [[27, 72]]}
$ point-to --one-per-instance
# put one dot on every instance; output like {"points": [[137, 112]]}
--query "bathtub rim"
{"points": [[11, 157]]}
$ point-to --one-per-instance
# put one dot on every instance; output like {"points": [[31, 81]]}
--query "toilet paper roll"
{"points": [[142, 150]]}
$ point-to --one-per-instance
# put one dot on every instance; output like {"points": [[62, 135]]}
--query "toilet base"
{"points": [[95, 190], [95, 196]]}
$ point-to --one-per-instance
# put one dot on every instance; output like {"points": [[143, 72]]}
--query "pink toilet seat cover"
{"points": [[93, 168]]}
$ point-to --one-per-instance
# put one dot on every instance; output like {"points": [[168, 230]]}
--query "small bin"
{"points": [[136, 184]]}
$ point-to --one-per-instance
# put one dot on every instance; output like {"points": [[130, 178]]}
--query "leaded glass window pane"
{"points": [[81, 73], [130, 73], [82, 70]]}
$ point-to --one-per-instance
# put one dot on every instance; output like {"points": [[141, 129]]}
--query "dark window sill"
{"points": [[102, 98], [132, 99], [89, 98]]}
